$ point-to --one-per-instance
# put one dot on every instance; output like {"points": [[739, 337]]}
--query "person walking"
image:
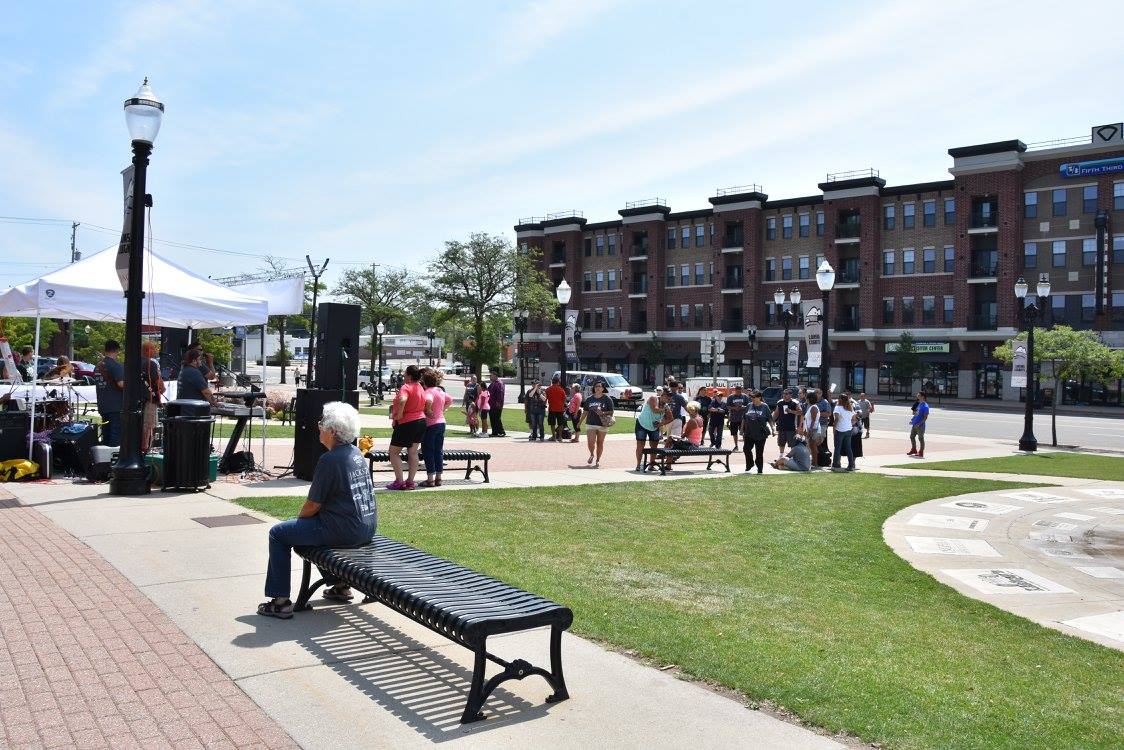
{"points": [[556, 408], [864, 407], [757, 425], [844, 418], [917, 427], [785, 420], [736, 404], [717, 422], [574, 411], [155, 394], [408, 417], [433, 442], [496, 392], [647, 429], [534, 406], [110, 392], [599, 417], [703, 398], [483, 407]]}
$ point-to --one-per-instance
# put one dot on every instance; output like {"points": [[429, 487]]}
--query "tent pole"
{"points": [[34, 386], [264, 391]]}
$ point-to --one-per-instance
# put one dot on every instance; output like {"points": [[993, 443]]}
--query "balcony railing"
{"points": [[983, 322], [848, 230], [638, 326], [732, 325], [847, 323], [732, 282], [733, 239], [639, 286], [984, 219], [984, 270], [848, 276], [638, 249]]}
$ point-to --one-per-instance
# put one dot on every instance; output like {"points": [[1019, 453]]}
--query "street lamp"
{"points": [[431, 334], [562, 294], [380, 329], [751, 338], [788, 317], [143, 113], [1029, 317], [521, 318], [825, 280]]}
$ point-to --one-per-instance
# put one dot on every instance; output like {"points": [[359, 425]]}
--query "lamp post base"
{"points": [[1028, 443], [130, 480]]}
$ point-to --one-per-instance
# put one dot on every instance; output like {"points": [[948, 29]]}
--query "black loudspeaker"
{"points": [[13, 434], [306, 430], [337, 346], [173, 343]]}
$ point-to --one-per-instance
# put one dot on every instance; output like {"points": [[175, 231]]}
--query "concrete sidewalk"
{"points": [[350, 675]]}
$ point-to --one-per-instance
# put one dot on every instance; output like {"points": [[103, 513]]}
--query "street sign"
{"points": [[719, 345], [705, 358]]}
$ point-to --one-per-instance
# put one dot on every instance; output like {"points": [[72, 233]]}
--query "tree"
{"points": [[907, 366], [1071, 355], [486, 276], [88, 347], [21, 331], [218, 344], [387, 296], [653, 351]]}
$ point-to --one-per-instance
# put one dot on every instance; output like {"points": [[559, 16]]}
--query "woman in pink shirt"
{"points": [[483, 405], [407, 414], [433, 443]]}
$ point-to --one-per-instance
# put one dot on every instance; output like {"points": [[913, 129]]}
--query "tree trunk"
{"points": [[477, 347], [1054, 415], [281, 351]]}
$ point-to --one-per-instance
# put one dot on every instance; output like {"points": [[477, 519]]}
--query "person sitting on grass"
{"points": [[799, 458], [340, 511]]}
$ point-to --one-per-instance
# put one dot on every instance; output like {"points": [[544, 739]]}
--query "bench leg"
{"points": [[556, 680], [306, 591], [514, 670], [468, 470], [487, 480], [476, 694]]}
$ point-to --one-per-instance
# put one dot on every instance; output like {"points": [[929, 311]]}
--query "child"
{"points": [[483, 400], [470, 413]]}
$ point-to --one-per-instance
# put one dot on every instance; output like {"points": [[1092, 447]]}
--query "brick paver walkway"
{"points": [[86, 660]]}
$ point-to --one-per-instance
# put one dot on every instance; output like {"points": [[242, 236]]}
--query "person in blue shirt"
{"points": [[340, 510], [917, 427], [110, 379]]}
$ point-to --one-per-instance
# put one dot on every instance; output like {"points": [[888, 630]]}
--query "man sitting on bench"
{"points": [[340, 510]]}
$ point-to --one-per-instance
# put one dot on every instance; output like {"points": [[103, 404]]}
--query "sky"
{"points": [[372, 132]]}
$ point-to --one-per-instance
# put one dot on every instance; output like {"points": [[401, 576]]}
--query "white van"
{"points": [[624, 396]]}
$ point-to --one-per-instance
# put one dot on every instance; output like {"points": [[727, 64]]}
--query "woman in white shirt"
{"points": [[843, 417]]}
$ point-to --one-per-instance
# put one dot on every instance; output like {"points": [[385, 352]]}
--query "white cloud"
{"points": [[535, 25]]}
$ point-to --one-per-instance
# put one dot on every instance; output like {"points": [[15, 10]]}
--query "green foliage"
{"points": [[88, 347], [1043, 464], [1070, 354], [21, 332], [219, 343], [653, 350], [281, 358], [389, 296], [908, 364]]}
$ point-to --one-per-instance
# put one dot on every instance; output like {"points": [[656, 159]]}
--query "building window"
{"points": [[770, 269], [700, 235], [908, 260], [786, 227], [805, 225], [888, 311], [819, 261], [710, 279], [949, 256], [670, 319], [600, 283], [949, 211], [1118, 196], [908, 215], [612, 244], [685, 275], [888, 262], [685, 237], [907, 311], [820, 219], [770, 313], [587, 281], [698, 316], [611, 314], [929, 260], [1030, 205], [684, 314], [1030, 255], [786, 269], [587, 318], [1089, 251], [805, 270], [928, 311], [671, 238], [598, 318], [700, 274], [929, 213], [771, 228], [670, 276], [1118, 249], [1087, 307], [600, 244], [888, 217], [1059, 202], [612, 280], [948, 311], [1089, 199], [1059, 253], [588, 247], [1057, 307]]}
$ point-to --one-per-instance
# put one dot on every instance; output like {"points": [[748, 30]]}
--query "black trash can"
{"points": [[187, 445]]}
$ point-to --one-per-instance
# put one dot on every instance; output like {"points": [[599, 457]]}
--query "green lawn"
{"points": [[782, 588], [1083, 465], [272, 429]]}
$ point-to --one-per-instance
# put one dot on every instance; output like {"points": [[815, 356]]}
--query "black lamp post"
{"points": [[562, 294], [825, 280], [380, 329], [430, 334], [1029, 317], [521, 318], [751, 338], [788, 317], [143, 114]]}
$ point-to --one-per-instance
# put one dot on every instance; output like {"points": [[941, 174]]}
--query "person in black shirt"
{"points": [[785, 419], [703, 399], [717, 419], [26, 362], [736, 404], [757, 425], [110, 392], [192, 384]]}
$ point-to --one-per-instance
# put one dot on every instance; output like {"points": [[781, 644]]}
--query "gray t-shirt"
{"points": [[191, 384], [800, 457], [342, 486], [863, 407], [109, 374]]}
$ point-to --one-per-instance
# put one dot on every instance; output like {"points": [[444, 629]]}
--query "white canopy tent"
{"points": [[91, 290]]}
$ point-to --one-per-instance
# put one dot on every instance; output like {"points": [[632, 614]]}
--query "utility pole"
{"points": [[75, 256], [316, 274]]}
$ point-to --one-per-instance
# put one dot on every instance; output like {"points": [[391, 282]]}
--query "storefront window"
{"points": [[942, 380], [854, 377], [770, 372], [989, 381], [886, 384], [1083, 393]]}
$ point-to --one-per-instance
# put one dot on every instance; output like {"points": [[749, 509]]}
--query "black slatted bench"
{"points": [[660, 457], [472, 460], [460, 604]]}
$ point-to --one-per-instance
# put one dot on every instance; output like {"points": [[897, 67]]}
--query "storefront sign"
{"points": [[1018, 365], [921, 347], [794, 357], [1088, 168], [813, 332]]}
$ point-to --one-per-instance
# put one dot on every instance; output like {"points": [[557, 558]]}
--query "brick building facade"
{"points": [[938, 259]]}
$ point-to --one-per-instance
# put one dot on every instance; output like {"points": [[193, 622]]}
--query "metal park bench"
{"points": [[472, 460], [661, 457], [460, 604]]}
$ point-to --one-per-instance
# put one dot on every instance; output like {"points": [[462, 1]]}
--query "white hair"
{"points": [[342, 420]]}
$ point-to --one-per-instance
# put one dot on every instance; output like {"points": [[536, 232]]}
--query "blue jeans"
{"points": [[843, 444], [296, 532], [433, 448], [534, 419], [111, 430]]}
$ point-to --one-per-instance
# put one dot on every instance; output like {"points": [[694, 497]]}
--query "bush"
{"points": [[505, 370]]}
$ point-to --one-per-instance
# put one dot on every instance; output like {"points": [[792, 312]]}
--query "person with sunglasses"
{"points": [[757, 426]]}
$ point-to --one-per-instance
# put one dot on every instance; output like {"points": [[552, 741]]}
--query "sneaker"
{"points": [[396, 485], [589, 460], [921, 454], [912, 452], [408, 486]]}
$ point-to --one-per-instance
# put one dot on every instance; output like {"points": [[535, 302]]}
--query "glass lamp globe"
{"points": [[778, 297], [381, 328], [143, 114], [1021, 288], [794, 295], [825, 277], [1043, 285], [563, 292]]}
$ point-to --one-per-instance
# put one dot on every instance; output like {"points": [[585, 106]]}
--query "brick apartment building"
{"points": [[938, 259]]}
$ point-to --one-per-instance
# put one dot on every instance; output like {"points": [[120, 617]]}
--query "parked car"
{"points": [[624, 396], [46, 363], [772, 395]]}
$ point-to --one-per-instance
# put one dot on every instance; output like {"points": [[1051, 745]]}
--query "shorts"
{"points": [[408, 434], [785, 437], [593, 429], [675, 428], [643, 434], [735, 428], [556, 419], [149, 417]]}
